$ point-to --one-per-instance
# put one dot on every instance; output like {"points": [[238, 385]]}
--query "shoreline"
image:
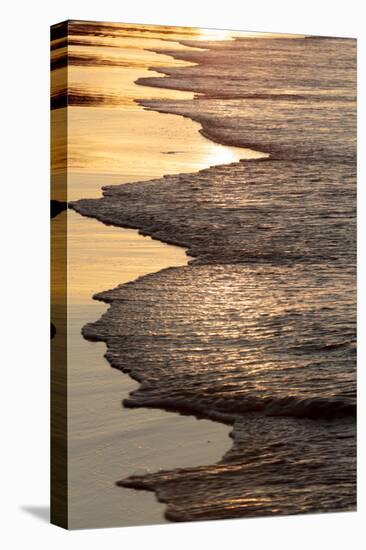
{"points": [[183, 441]]}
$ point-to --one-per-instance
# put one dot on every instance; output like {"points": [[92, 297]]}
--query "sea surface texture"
{"points": [[258, 331]]}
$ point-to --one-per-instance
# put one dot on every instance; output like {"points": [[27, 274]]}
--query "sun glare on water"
{"points": [[215, 34], [219, 154]]}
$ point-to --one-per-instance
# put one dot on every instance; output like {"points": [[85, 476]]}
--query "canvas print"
{"points": [[203, 323]]}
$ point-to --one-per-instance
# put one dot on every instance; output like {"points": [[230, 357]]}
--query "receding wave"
{"points": [[263, 474], [254, 211], [222, 341]]}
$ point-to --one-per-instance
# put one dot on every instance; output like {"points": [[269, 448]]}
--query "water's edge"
{"points": [[184, 437]]}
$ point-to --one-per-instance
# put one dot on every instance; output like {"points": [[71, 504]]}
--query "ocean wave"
{"points": [[222, 341], [263, 211]]}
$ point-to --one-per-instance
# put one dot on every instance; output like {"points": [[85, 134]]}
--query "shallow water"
{"points": [[259, 331]]}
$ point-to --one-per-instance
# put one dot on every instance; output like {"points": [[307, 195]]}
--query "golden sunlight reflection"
{"points": [[226, 155], [215, 34]]}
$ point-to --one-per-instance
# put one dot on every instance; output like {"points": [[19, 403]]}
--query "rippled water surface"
{"points": [[258, 331], [228, 339]]}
